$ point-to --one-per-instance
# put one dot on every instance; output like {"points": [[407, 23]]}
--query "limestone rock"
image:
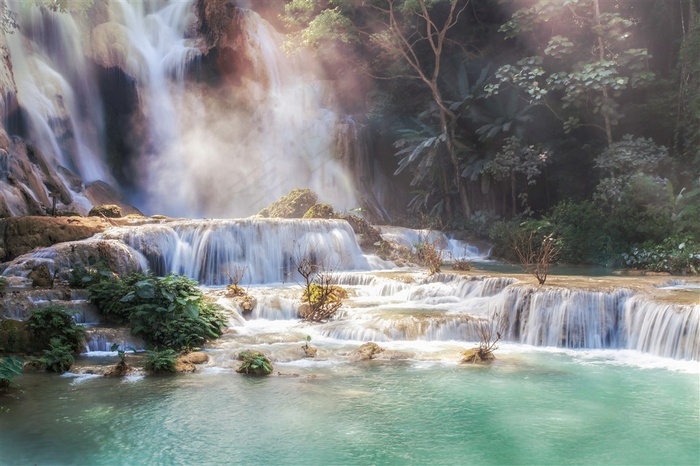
{"points": [[41, 276], [367, 351], [293, 205], [108, 211], [309, 351], [111, 48], [367, 235], [321, 211], [476, 355], [99, 192], [118, 370], [195, 357], [19, 235]]}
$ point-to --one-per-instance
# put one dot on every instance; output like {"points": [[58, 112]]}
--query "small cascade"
{"points": [[452, 249], [669, 330], [267, 249], [102, 339]]}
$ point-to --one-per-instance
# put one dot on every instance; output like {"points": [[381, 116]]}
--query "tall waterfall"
{"points": [[218, 130]]}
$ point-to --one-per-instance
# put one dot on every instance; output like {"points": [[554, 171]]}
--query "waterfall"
{"points": [[212, 130], [268, 250], [595, 320], [60, 101], [452, 249]]}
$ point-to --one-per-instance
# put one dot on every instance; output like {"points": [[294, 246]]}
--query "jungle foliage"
{"points": [[508, 112], [169, 312]]}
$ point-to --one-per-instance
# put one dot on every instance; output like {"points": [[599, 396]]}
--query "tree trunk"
{"points": [[448, 131], [512, 193]]}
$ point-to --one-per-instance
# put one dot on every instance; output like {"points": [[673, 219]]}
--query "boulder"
{"points": [[321, 211], [19, 235], [118, 370], [99, 193], [367, 235], [111, 48], [195, 357], [477, 355], [293, 205], [40, 276], [107, 211], [367, 351], [309, 351]]}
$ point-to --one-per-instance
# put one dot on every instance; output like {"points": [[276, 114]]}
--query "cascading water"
{"points": [[267, 250], [216, 130]]}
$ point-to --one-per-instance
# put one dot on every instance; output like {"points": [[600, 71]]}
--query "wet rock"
{"points": [[366, 351], [100, 193], [182, 366], [40, 276], [293, 205], [324, 211], [477, 355], [195, 357], [309, 351], [19, 235], [119, 370], [367, 235]]}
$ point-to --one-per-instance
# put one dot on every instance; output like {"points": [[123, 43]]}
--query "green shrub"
{"points": [[255, 363], [160, 362], [14, 337], [55, 322], [96, 271], [58, 357], [676, 255], [10, 366], [502, 236], [578, 228], [169, 311]]}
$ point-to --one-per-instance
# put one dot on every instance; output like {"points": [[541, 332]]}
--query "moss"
{"points": [[14, 337], [293, 205], [106, 210], [321, 211]]}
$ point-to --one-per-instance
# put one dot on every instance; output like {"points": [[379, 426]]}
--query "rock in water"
{"points": [[293, 205]]}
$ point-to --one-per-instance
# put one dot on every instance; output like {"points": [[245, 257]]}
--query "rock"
{"points": [[119, 370], [321, 211], [111, 48], [309, 351], [476, 355], [108, 211], [367, 351], [254, 363], [293, 205], [182, 366], [99, 193], [304, 310], [19, 235], [367, 235], [195, 357], [40, 276]]}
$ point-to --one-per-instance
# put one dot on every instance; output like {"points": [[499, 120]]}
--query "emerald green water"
{"points": [[530, 407]]}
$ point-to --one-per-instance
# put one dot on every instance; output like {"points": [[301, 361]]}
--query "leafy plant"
{"points": [[58, 357], [10, 367], [52, 322], [159, 362], [677, 255], [254, 363], [169, 311], [429, 252]]}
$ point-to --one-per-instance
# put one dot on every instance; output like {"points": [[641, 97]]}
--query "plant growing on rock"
{"points": [[535, 252], [122, 367], [10, 367], [160, 362], [488, 338], [58, 357], [54, 322], [169, 311], [322, 297], [236, 275], [254, 363], [429, 253]]}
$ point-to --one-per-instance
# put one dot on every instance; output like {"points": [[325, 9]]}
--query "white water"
{"points": [[220, 150], [451, 249]]}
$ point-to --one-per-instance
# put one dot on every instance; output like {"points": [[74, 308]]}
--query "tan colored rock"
{"points": [[309, 351], [19, 235], [476, 355], [99, 193], [367, 351], [293, 205], [41, 276], [195, 357], [106, 210], [181, 366], [112, 48]]}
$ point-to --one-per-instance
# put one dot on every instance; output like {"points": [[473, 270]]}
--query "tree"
{"points": [[412, 37], [588, 78]]}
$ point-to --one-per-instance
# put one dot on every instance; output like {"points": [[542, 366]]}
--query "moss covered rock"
{"points": [[106, 210], [321, 211], [293, 205], [367, 235]]}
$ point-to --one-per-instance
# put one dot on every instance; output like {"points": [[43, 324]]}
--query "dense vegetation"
{"points": [[578, 118], [167, 312]]}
